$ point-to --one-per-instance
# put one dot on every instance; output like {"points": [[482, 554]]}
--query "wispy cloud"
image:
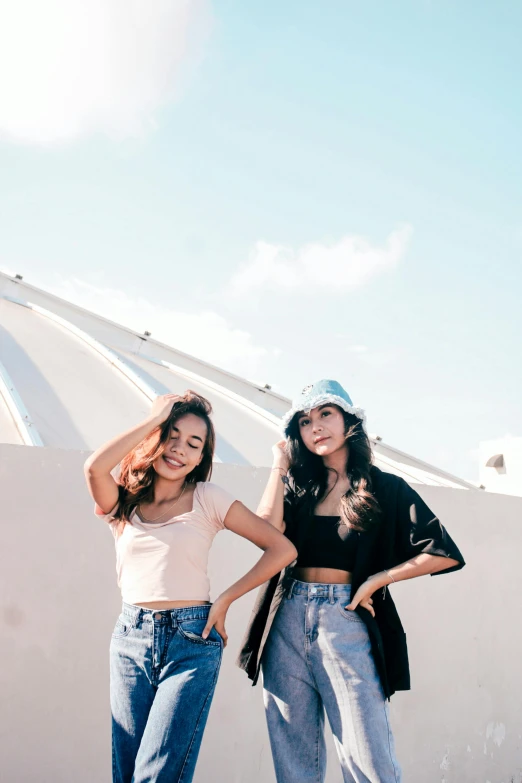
{"points": [[69, 68], [205, 334], [350, 263]]}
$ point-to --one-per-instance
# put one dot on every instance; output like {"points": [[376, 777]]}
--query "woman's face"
{"points": [[184, 449], [323, 430]]}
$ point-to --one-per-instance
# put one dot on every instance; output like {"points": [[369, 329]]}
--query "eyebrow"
{"points": [[319, 408], [195, 437]]}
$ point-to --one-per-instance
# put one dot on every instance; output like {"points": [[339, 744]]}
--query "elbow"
{"points": [[446, 564], [290, 552], [279, 524], [90, 468]]}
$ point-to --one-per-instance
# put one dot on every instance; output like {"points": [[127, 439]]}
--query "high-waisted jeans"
{"points": [[318, 659], [163, 676]]}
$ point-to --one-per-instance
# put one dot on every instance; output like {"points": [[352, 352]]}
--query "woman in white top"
{"points": [[167, 643]]}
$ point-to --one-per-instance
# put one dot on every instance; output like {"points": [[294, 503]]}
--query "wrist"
{"points": [[282, 468], [225, 598], [381, 579], [154, 421]]}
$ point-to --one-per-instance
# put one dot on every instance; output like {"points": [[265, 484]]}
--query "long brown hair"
{"points": [[137, 473], [359, 508]]}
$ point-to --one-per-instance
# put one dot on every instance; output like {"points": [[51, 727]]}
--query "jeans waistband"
{"points": [[137, 614], [316, 589]]}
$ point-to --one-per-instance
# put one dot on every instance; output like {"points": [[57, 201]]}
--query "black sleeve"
{"points": [[419, 530], [289, 516]]}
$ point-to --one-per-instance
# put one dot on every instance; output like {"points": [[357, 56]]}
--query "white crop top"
{"points": [[167, 561]]}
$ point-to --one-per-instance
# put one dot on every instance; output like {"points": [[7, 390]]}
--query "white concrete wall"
{"points": [[462, 723]]}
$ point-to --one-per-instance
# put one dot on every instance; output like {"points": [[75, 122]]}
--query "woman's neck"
{"points": [[336, 465], [166, 490]]}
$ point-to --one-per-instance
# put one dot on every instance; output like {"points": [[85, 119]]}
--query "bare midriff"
{"points": [[166, 605], [329, 576]]}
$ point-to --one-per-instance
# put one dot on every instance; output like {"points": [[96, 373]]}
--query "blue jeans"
{"points": [[163, 676], [318, 659]]}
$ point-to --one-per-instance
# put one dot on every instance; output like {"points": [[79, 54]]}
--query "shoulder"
{"points": [[208, 489], [214, 500], [383, 482]]}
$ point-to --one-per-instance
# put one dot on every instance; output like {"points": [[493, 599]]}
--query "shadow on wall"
{"points": [[39, 397]]}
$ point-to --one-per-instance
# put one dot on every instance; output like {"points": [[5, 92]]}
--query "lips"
{"points": [[320, 440], [173, 463]]}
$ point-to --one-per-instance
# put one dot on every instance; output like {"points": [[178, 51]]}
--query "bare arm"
{"points": [[272, 502], [100, 482], [420, 565], [278, 553]]}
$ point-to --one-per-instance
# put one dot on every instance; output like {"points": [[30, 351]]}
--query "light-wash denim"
{"points": [[318, 659], [163, 676]]}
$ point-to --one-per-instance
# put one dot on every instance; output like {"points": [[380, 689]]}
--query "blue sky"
{"points": [[290, 190]]}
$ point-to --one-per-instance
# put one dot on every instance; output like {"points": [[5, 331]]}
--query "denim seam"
{"points": [[197, 640], [392, 756], [209, 694], [168, 637], [123, 635], [317, 749], [348, 614], [113, 761]]}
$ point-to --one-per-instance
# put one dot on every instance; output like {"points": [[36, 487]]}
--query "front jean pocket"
{"points": [[191, 630], [348, 614], [122, 628]]}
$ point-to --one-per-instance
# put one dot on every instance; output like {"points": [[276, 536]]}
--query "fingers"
{"points": [[366, 604], [220, 628]]}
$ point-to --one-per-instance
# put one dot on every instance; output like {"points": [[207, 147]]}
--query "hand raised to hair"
{"points": [[280, 454], [162, 407]]}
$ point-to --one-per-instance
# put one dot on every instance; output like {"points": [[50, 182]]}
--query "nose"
{"points": [[317, 426]]}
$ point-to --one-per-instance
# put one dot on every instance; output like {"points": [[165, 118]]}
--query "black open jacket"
{"points": [[406, 528]]}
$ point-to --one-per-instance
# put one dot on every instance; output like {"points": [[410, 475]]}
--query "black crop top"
{"points": [[328, 543]]}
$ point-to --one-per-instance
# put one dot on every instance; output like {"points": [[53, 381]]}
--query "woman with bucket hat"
{"points": [[325, 632]]}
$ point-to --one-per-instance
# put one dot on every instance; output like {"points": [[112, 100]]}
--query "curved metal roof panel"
{"points": [[71, 379]]}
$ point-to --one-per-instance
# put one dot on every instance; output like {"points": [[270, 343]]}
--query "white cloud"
{"points": [[206, 334], [348, 264], [69, 68]]}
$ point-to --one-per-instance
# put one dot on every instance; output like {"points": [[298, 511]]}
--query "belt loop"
{"points": [[291, 588], [331, 594]]}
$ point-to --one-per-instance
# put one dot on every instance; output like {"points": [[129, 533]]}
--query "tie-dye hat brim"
{"points": [[320, 393]]}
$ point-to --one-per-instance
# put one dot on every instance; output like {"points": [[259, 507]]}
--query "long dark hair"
{"points": [[309, 475], [137, 473]]}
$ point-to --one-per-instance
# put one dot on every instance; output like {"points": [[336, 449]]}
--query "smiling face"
{"points": [[323, 430], [184, 449]]}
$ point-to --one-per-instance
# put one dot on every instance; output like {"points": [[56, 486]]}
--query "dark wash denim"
{"points": [[163, 677]]}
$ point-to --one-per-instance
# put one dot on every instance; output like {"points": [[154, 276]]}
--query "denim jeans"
{"points": [[318, 659], [163, 676]]}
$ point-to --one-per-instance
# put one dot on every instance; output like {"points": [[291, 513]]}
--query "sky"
{"points": [[289, 190]]}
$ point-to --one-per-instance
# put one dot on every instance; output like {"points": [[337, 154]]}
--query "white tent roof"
{"points": [[71, 379]]}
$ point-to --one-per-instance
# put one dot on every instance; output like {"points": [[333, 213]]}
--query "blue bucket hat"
{"points": [[320, 393]]}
